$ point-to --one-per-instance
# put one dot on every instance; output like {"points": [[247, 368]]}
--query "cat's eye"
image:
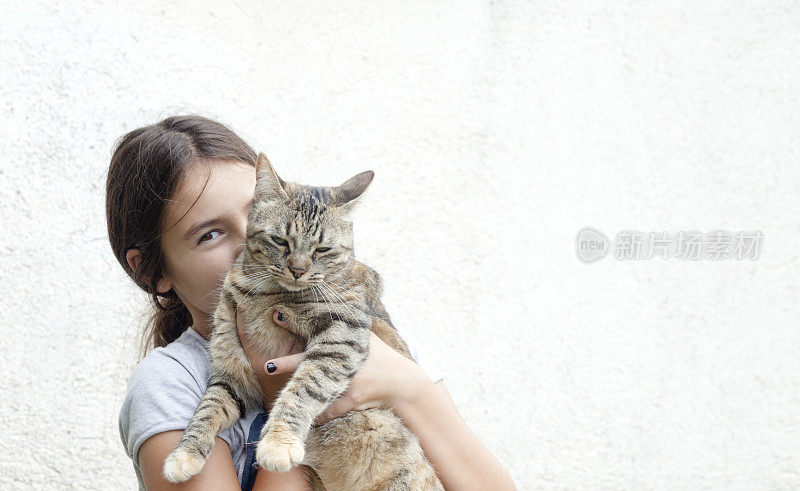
{"points": [[322, 249], [278, 240]]}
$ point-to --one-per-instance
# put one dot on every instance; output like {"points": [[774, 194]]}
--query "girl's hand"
{"points": [[257, 358], [387, 378]]}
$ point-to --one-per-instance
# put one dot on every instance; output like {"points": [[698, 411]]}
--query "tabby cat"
{"points": [[298, 258]]}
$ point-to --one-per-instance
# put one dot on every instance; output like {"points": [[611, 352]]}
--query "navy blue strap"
{"points": [[250, 465]]}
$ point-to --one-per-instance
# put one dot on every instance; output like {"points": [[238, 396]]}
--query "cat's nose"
{"points": [[297, 272]]}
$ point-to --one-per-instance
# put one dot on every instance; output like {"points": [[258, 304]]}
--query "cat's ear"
{"points": [[345, 195], [269, 185]]}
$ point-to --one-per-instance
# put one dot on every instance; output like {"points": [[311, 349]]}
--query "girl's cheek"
{"points": [[217, 270]]}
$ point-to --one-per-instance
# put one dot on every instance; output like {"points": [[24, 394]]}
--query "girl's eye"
{"points": [[278, 240], [207, 236], [323, 249]]}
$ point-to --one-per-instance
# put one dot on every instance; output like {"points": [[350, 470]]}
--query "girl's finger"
{"points": [[284, 363]]}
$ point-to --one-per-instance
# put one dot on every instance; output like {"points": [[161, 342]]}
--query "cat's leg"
{"points": [[336, 351], [232, 391], [219, 409]]}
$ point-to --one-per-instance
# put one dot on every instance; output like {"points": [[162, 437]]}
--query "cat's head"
{"points": [[298, 235]]}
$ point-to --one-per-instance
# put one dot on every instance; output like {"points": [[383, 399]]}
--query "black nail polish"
{"points": [[280, 316], [271, 367]]}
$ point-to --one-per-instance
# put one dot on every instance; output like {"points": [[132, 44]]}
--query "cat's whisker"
{"points": [[349, 308], [327, 303], [265, 280], [258, 275], [335, 302], [329, 292], [257, 278], [341, 287], [259, 283], [217, 291], [259, 269], [355, 312]]}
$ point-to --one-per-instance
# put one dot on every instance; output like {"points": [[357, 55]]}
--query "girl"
{"points": [[177, 199]]}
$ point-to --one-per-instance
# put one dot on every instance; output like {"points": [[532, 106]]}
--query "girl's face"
{"points": [[203, 237]]}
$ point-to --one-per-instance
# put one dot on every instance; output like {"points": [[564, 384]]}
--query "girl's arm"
{"points": [[460, 459], [218, 471], [294, 480]]}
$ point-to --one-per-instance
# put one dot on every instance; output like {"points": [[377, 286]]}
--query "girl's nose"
{"points": [[240, 234], [238, 241]]}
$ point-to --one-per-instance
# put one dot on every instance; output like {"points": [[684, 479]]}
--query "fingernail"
{"points": [[271, 367], [280, 316]]}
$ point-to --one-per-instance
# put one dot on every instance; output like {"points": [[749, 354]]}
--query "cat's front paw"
{"points": [[182, 464], [280, 449]]}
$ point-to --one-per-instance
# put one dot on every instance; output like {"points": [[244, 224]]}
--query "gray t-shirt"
{"points": [[166, 387]]}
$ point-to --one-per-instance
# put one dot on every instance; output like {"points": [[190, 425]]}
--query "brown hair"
{"points": [[146, 168]]}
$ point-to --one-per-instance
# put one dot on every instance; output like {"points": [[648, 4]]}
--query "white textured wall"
{"points": [[497, 129]]}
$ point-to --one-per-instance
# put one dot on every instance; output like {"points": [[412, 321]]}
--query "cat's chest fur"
{"points": [[354, 296]]}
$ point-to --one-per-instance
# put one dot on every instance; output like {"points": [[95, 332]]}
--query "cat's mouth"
{"points": [[293, 285]]}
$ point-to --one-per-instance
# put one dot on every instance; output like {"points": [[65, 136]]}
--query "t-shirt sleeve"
{"points": [[164, 391], [420, 356]]}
